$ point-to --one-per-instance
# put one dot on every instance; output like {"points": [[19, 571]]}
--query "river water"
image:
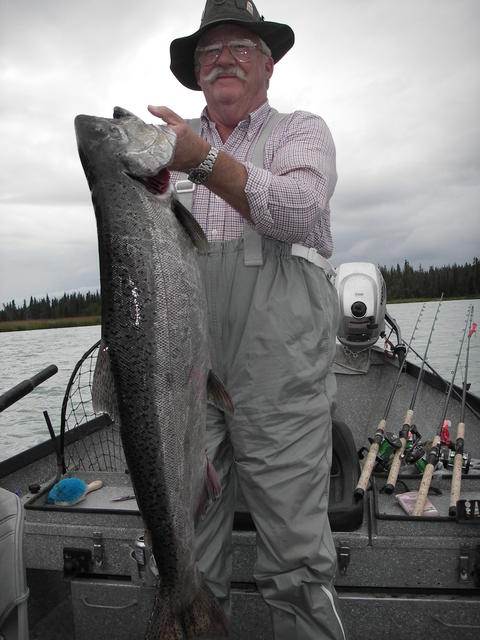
{"points": [[25, 353]]}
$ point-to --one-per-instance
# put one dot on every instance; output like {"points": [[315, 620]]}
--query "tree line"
{"points": [[453, 281], [70, 305], [402, 282]]}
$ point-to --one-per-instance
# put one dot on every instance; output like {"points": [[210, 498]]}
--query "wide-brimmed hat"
{"points": [[279, 37]]}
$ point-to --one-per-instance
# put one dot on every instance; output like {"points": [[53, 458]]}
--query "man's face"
{"points": [[227, 80]]}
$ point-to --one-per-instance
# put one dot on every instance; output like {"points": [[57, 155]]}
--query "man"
{"points": [[272, 312]]}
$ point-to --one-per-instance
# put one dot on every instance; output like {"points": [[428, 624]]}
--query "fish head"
{"points": [[123, 143]]}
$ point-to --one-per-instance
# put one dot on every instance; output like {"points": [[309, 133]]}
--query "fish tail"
{"points": [[205, 616]]}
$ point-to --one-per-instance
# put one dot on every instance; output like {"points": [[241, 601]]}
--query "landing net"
{"points": [[90, 440]]}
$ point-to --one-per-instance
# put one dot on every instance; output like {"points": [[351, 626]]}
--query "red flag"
{"points": [[445, 433], [473, 329]]}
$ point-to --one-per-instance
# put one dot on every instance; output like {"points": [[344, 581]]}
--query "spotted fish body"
{"points": [[154, 351]]}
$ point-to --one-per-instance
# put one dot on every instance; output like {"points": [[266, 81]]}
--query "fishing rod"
{"points": [[407, 421], [379, 433], [456, 393], [460, 440], [434, 453]]}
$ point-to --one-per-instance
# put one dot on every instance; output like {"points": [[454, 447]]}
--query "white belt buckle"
{"points": [[184, 186]]}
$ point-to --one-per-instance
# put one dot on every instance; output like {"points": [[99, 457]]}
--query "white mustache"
{"points": [[221, 71]]}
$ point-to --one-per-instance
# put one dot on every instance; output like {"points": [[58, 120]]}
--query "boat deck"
{"points": [[396, 574]]}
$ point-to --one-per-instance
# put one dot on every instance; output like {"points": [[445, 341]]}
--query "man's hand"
{"points": [[228, 178], [190, 149]]}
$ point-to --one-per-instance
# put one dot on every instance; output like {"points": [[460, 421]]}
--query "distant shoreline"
{"points": [[49, 323], [87, 321]]}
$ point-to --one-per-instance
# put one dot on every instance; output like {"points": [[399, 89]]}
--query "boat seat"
{"points": [[14, 590]]}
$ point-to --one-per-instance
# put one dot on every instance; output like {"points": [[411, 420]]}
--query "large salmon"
{"points": [[154, 352]]}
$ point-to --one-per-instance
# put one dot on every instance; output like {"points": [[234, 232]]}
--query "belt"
{"points": [[313, 256]]}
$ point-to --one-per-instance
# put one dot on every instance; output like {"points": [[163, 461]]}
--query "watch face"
{"points": [[198, 176]]}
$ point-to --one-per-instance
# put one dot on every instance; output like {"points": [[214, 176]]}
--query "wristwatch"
{"points": [[204, 169]]}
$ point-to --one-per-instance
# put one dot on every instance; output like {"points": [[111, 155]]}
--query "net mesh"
{"points": [[91, 441]]}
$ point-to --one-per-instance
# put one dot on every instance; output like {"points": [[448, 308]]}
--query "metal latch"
{"points": [[469, 565], [343, 556], [463, 565], [98, 550], [476, 567]]}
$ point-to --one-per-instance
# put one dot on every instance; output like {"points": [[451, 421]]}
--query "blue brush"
{"points": [[69, 491]]}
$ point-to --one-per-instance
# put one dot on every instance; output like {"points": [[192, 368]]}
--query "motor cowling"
{"points": [[363, 297]]}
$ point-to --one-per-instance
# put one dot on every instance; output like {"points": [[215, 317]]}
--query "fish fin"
{"points": [[211, 490], [214, 486], [104, 395], [204, 616], [217, 394], [190, 225]]}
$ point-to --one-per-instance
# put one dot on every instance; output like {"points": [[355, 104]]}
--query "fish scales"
{"points": [[154, 352], [159, 350]]}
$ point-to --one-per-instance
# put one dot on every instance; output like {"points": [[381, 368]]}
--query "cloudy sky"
{"points": [[397, 82]]}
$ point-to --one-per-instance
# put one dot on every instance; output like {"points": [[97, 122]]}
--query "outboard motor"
{"points": [[363, 298]]}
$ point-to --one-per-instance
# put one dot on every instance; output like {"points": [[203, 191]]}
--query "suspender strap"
{"points": [[252, 241]]}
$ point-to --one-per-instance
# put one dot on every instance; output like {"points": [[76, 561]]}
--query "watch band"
{"points": [[204, 169]]}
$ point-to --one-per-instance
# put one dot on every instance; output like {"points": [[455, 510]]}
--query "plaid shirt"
{"points": [[289, 197]]}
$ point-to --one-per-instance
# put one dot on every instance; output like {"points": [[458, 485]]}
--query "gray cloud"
{"points": [[398, 84]]}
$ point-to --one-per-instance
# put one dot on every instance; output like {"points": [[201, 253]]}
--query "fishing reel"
{"points": [[389, 445], [414, 452], [447, 457], [386, 450], [363, 297], [417, 455]]}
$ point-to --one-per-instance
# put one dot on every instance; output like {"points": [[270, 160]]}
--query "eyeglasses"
{"points": [[241, 50]]}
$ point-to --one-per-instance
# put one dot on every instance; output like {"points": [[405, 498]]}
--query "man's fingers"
{"points": [[190, 149], [166, 114]]}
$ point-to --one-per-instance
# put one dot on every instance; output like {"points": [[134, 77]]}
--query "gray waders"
{"points": [[272, 319]]}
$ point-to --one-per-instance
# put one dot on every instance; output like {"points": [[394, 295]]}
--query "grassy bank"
{"points": [[57, 323]]}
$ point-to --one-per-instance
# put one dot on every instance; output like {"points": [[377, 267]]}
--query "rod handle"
{"points": [[397, 458], [370, 461], [457, 471], [395, 468], [425, 484]]}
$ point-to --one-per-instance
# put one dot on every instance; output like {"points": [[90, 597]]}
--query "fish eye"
{"points": [[114, 132]]}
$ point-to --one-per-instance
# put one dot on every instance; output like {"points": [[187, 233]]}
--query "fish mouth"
{"points": [[157, 184]]}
